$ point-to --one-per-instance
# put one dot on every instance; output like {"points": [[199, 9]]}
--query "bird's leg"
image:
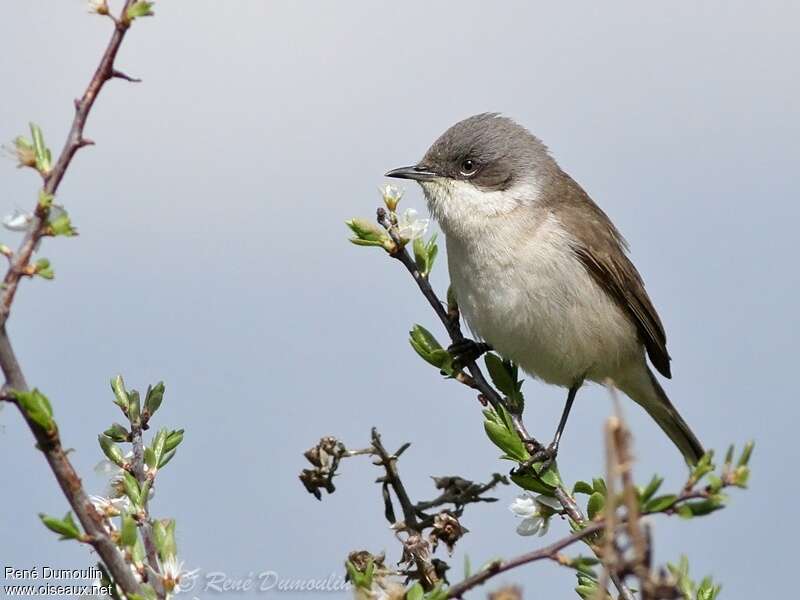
{"points": [[467, 351], [547, 455]]}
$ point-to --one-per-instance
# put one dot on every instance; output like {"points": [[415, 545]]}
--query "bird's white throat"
{"points": [[461, 208]]}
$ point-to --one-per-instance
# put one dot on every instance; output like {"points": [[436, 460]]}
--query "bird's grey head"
{"points": [[486, 165]]}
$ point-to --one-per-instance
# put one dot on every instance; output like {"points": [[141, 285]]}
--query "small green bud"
{"points": [[111, 450], [368, 233], [173, 440], [139, 9], [134, 406], [117, 432], [120, 395], [36, 407], [594, 507], [43, 269], [66, 527], [132, 490], [153, 398], [127, 535], [40, 151]]}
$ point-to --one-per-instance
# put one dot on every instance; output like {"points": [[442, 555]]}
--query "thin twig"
{"points": [[548, 552], [451, 322], [392, 478], [453, 326], [137, 466], [48, 441]]}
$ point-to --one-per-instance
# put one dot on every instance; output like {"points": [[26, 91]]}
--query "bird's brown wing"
{"points": [[619, 278], [602, 250]]}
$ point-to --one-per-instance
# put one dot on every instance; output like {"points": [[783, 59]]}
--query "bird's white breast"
{"points": [[522, 289]]}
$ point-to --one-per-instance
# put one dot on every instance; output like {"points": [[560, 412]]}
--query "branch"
{"points": [[392, 478], [452, 324], [137, 466], [48, 440], [497, 567]]}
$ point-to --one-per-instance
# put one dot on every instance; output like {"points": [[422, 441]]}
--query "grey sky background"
{"points": [[213, 255]]}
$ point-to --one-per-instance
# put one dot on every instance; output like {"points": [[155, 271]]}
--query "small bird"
{"points": [[540, 273]]}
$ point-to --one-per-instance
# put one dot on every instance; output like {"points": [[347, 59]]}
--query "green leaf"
{"points": [[158, 444], [660, 503], [173, 440], [740, 476], [45, 200], [531, 483], [368, 233], [166, 458], [748, 450], [127, 535], [504, 375], [433, 251], [699, 508], [150, 458], [111, 450], [581, 487], [43, 269], [729, 456], [134, 406], [425, 254], [120, 395], [153, 398], [437, 593], [40, 150], [652, 487], [117, 433], [599, 486], [62, 225], [140, 9], [415, 592], [584, 565], [507, 440], [360, 579], [132, 488], [36, 407], [707, 589], [594, 507], [429, 349], [67, 528]]}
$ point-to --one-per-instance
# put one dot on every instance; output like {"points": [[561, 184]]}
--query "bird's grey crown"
{"points": [[503, 151]]}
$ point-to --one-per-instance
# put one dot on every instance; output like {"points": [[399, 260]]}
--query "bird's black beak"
{"points": [[417, 173]]}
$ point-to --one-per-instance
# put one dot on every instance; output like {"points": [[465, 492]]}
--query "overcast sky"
{"points": [[213, 255]]}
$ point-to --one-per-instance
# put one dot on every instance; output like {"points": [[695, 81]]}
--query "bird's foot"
{"points": [[467, 351], [545, 456]]}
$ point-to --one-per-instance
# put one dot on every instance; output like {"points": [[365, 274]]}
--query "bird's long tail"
{"points": [[648, 393]]}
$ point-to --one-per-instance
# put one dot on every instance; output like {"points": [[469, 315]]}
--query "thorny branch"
{"points": [[48, 441], [456, 493], [451, 321]]}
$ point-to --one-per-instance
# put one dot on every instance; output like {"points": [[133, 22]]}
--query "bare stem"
{"points": [[497, 567], [48, 441]]}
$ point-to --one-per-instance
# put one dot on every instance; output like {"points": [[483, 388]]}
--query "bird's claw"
{"points": [[466, 351], [545, 456]]}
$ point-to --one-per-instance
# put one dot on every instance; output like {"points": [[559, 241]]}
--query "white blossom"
{"points": [[535, 513], [98, 6], [18, 221], [172, 572], [409, 227], [109, 507], [391, 195]]}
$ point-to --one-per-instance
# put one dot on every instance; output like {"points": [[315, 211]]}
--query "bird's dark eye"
{"points": [[468, 167]]}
